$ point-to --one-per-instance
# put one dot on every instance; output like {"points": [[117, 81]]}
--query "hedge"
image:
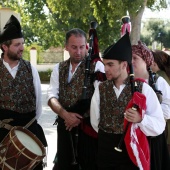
{"points": [[45, 75]]}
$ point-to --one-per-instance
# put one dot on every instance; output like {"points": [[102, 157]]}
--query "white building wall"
{"points": [[5, 14]]}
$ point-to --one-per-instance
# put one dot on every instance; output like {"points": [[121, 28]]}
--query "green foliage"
{"points": [[48, 27], [26, 55], [166, 40], [156, 5], [45, 75], [156, 30]]}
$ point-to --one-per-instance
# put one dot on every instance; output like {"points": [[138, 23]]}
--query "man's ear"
{"points": [[66, 48], [125, 64], [4, 47]]}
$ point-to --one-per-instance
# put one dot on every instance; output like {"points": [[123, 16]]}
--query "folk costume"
{"points": [[167, 131], [67, 88], [109, 104], [162, 67], [159, 151], [20, 91]]}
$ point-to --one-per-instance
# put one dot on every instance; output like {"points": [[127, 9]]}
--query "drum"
{"points": [[20, 150]]}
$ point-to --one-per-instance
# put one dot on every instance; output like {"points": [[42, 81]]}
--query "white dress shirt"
{"points": [[36, 82], [153, 122], [163, 86]]}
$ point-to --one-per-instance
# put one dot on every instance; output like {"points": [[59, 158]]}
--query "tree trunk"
{"points": [[136, 24]]}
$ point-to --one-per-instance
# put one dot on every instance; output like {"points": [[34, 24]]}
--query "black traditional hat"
{"points": [[12, 30], [122, 50]]}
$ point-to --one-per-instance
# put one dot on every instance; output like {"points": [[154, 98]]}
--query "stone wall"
{"points": [[47, 60], [50, 57]]}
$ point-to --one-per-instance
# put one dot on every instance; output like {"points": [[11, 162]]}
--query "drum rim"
{"points": [[30, 134]]}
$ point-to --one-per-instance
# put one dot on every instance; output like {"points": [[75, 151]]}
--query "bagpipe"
{"points": [[152, 83], [134, 88], [135, 140], [83, 105]]}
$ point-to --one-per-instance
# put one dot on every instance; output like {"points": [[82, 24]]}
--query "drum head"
{"points": [[28, 142]]}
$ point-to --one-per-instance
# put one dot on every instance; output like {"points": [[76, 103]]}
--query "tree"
{"points": [[48, 29], [156, 30], [135, 10]]}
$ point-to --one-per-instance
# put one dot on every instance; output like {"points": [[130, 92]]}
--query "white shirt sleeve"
{"points": [[163, 86], [153, 123], [38, 94], [95, 109], [53, 89], [99, 67], [95, 101]]}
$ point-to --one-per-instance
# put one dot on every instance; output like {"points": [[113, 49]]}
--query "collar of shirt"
{"points": [[118, 91], [13, 70], [70, 73]]}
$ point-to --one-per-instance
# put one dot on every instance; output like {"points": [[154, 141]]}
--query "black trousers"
{"points": [[108, 157], [86, 150], [160, 159]]}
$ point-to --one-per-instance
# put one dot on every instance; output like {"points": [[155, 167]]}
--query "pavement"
{"points": [[46, 121]]}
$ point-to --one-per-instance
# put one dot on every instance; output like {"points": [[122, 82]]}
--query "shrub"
{"points": [[45, 75]]}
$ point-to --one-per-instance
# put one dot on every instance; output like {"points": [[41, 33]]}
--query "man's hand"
{"points": [[72, 120], [132, 116]]}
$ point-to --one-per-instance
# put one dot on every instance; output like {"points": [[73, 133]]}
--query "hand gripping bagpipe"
{"points": [[135, 140], [83, 105], [134, 89]]}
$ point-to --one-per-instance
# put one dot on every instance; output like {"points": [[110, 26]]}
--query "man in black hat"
{"points": [[110, 111], [20, 88]]}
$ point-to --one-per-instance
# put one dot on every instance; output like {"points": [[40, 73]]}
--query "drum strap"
{"points": [[4, 123], [30, 122]]}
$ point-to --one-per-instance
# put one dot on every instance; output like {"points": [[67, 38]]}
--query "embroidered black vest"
{"points": [[17, 94], [70, 93], [112, 109]]}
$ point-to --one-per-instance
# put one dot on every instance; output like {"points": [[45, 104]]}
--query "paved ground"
{"points": [[46, 120]]}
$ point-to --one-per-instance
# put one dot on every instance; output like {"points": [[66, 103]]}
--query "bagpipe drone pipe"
{"points": [[83, 105], [152, 83]]}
